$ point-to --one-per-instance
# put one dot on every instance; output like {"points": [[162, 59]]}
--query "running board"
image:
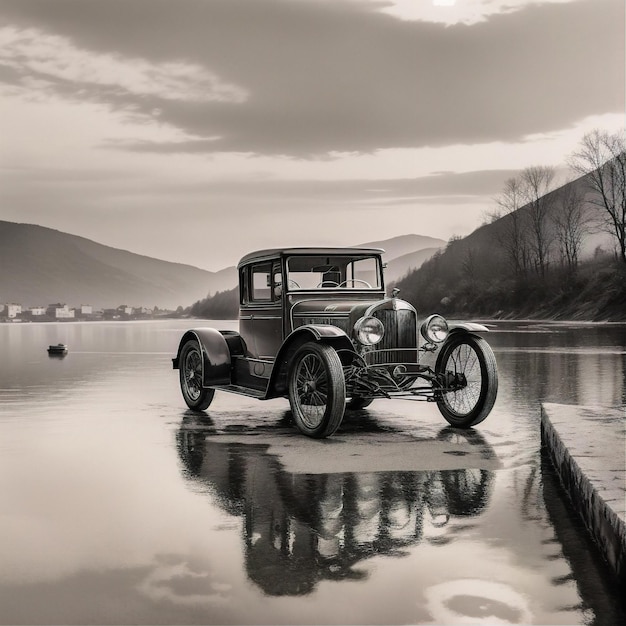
{"points": [[242, 391]]}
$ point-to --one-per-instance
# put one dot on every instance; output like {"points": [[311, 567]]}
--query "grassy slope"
{"points": [[597, 292]]}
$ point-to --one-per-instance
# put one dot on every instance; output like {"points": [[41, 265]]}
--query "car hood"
{"points": [[325, 306]]}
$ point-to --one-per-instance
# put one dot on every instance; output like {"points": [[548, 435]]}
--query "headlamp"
{"points": [[434, 329], [369, 330]]}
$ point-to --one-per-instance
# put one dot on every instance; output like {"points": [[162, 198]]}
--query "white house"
{"points": [[63, 312], [37, 310], [86, 309], [13, 310]]}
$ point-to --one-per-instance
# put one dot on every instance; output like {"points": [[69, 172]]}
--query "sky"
{"points": [[196, 131]]}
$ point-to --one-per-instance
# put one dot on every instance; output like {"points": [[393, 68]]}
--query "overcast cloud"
{"points": [[196, 130]]}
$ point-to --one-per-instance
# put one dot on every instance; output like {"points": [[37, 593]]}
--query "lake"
{"points": [[119, 506]]}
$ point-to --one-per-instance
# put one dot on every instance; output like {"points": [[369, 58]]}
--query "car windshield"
{"points": [[327, 272]]}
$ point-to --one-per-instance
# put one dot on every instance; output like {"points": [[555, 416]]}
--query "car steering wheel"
{"points": [[355, 280]]}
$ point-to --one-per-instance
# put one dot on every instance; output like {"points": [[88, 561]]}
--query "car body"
{"points": [[316, 326]]}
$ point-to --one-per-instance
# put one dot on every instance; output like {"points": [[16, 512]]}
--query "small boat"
{"points": [[58, 349]]}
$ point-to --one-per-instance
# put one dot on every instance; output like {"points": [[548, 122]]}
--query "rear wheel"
{"points": [[190, 372], [469, 359], [317, 390]]}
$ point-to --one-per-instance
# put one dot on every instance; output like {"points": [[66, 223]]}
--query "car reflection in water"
{"points": [[303, 528]]}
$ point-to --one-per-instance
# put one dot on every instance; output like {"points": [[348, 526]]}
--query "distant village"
{"points": [[60, 312]]}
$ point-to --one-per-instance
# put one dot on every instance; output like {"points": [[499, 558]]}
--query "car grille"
{"points": [[399, 343]]}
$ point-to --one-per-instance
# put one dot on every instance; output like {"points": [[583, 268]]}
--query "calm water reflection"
{"points": [[118, 506], [302, 528]]}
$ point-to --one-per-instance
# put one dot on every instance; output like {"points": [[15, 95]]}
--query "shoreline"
{"points": [[479, 318]]}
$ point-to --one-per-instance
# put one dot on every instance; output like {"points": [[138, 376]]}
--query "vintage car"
{"points": [[315, 326]]}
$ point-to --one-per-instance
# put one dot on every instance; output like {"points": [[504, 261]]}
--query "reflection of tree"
{"points": [[302, 528]]}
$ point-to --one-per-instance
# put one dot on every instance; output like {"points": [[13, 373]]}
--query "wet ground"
{"points": [[119, 506]]}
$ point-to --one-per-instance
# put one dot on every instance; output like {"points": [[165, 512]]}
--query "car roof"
{"points": [[274, 253]]}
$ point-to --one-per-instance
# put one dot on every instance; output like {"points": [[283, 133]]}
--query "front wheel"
{"points": [[317, 390], [469, 359], [196, 397]]}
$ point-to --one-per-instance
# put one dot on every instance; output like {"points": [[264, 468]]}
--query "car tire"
{"points": [[471, 356], [317, 390], [195, 395]]}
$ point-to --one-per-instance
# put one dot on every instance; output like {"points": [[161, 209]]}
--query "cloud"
{"points": [[159, 115], [356, 191], [453, 11], [51, 59], [309, 77]]}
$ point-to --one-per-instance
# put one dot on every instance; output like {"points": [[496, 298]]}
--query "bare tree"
{"points": [[571, 222], [468, 267], [536, 183], [513, 237], [602, 157]]}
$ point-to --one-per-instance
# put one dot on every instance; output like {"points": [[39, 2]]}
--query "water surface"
{"points": [[119, 506]]}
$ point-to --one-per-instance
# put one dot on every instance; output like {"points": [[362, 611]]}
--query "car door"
{"points": [[265, 310]]}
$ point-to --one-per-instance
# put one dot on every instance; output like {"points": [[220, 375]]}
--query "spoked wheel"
{"points": [[471, 361], [196, 397], [317, 390]]}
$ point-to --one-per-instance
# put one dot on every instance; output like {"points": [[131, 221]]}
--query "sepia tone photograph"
{"points": [[312, 312]]}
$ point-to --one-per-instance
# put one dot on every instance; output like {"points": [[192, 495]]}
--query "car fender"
{"points": [[328, 334], [467, 327], [216, 357]]}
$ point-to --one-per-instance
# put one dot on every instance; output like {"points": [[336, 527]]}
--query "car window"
{"points": [[345, 272], [261, 283], [361, 271]]}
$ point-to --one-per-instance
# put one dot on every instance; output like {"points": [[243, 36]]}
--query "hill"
{"points": [[41, 266], [405, 253], [404, 245], [402, 265], [476, 276]]}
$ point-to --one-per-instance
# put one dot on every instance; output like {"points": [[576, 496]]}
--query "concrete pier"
{"points": [[587, 446]]}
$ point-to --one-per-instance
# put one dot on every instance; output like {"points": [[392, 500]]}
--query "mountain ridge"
{"points": [[41, 265], [402, 245]]}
